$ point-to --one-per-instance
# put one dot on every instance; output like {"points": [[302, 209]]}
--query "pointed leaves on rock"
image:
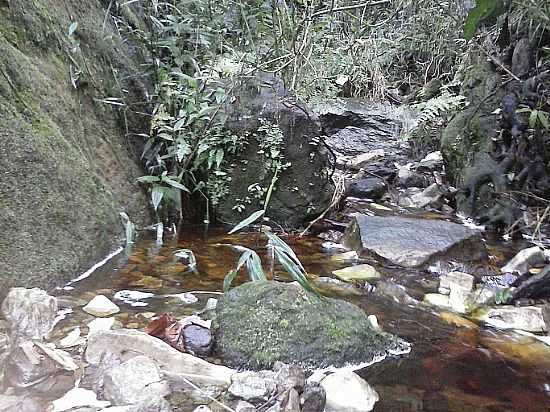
{"points": [[248, 221], [229, 278]]}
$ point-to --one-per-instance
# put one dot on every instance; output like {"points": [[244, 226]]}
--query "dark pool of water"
{"points": [[450, 367]]}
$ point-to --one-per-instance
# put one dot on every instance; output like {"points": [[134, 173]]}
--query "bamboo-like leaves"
{"points": [[253, 264], [248, 221]]}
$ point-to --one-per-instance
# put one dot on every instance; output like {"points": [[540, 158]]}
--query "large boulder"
{"points": [[259, 323], [279, 131], [412, 242], [68, 162]]}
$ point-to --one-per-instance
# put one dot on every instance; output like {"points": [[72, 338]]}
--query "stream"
{"points": [[454, 365]]}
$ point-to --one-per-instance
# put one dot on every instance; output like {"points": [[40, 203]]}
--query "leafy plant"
{"points": [[483, 10]]}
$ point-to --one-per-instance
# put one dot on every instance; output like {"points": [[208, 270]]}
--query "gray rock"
{"points": [[396, 292], [171, 361], [528, 318], [412, 242], [198, 340], [134, 381], [26, 366], [244, 406], [407, 178], [371, 188], [253, 386], [203, 408], [346, 391], [313, 398], [30, 313], [259, 323], [534, 287], [524, 260], [431, 196]]}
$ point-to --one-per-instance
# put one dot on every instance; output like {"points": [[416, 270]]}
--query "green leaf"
{"points": [[483, 10], [533, 119], [248, 221], [157, 193], [175, 184], [148, 179], [219, 157], [295, 270], [276, 242], [543, 119], [229, 278]]}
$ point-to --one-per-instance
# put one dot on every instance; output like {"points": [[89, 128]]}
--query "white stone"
{"points": [[187, 298], [457, 280], [78, 397], [244, 406], [133, 297], [429, 196], [433, 157], [358, 272], [346, 391], [528, 318], [100, 324], [101, 306], [72, 339], [436, 299], [136, 380], [202, 408], [524, 260]]}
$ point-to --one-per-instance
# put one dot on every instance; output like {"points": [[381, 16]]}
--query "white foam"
{"points": [[95, 267]]}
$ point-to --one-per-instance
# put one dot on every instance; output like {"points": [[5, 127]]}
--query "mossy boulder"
{"points": [[68, 161], [259, 323]]}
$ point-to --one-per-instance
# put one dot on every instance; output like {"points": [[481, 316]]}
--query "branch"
{"points": [[352, 7]]}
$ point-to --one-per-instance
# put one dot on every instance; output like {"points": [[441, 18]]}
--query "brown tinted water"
{"points": [[450, 367]]}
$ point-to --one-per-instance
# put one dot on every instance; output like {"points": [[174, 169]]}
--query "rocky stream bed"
{"points": [[424, 311]]}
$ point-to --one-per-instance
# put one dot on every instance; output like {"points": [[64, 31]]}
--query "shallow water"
{"points": [[450, 367]]}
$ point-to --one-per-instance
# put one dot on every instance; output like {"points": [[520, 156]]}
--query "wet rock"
{"points": [[459, 299], [336, 287], [253, 386], [306, 184], [368, 188], [244, 406], [397, 292], [171, 361], [198, 340], [407, 178], [313, 398], [259, 323], [524, 260], [455, 280], [101, 306], [365, 159], [483, 295], [357, 272], [134, 381], [78, 397], [534, 287], [528, 318], [412, 242], [345, 256], [289, 377], [30, 312], [346, 391], [499, 281]]}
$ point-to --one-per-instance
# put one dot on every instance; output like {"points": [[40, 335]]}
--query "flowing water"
{"points": [[454, 365]]}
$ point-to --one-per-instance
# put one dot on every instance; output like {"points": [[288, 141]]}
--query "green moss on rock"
{"points": [[259, 323]]}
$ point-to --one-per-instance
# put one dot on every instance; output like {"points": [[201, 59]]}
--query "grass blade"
{"points": [[248, 221]]}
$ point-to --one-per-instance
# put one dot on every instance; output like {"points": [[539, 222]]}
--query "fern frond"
{"points": [[439, 106]]}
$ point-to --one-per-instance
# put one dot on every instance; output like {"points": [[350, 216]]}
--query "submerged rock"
{"points": [[528, 318], [30, 312], [412, 242], [260, 323], [346, 391], [357, 272]]}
